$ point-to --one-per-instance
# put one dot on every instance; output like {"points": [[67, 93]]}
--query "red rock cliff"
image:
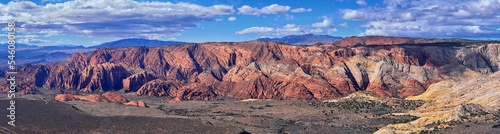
{"points": [[268, 70]]}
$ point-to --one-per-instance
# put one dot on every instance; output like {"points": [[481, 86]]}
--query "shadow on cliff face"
{"points": [[271, 69], [364, 82], [441, 61], [409, 70]]}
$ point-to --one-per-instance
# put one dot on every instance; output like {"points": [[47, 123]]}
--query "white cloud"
{"points": [[327, 22], [271, 9], [266, 30], [288, 29], [317, 30], [26, 39], [293, 29], [245, 9], [112, 18], [352, 14], [275, 9], [395, 3], [361, 2], [332, 30], [51, 1], [30, 39], [423, 29], [462, 13], [407, 16], [430, 18], [343, 24], [231, 19], [300, 10]]}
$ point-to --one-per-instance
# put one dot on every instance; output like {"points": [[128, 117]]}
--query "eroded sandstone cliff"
{"points": [[393, 67]]}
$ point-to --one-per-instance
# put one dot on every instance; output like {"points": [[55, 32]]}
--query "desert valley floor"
{"points": [[358, 113]]}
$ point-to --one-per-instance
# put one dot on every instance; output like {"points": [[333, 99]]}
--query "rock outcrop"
{"points": [[386, 66], [110, 97], [106, 97], [134, 82], [450, 100], [114, 97], [64, 97], [136, 103], [159, 88]]}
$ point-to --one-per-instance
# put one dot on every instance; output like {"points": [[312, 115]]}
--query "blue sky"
{"points": [[92, 22]]}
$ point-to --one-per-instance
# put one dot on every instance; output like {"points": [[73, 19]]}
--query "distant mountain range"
{"points": [[17, 46], [306, 39], [32, 54], [137, 42]]}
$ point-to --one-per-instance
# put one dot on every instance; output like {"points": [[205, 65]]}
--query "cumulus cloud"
{"points": [[271, 9], [231, 19], [332, 30], [430, 18], [361, 2], [275, 9], [112, 18], [300, 10], [327, 22], [290, 29], [352, 14], [245, 9], [462, 13], [260, 30], [424, 29]]}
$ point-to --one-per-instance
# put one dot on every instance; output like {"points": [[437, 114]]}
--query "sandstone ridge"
{"points": [[106, 97], [268, 70]]}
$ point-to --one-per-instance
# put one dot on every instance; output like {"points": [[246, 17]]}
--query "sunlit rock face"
{"points": [[387, 66]]}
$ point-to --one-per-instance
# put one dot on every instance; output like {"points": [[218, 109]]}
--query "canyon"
{"points": [[394, 84], [386, 66]]}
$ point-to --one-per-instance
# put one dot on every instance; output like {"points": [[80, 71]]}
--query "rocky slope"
{"points": [[448, 102], [386, 66]]}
